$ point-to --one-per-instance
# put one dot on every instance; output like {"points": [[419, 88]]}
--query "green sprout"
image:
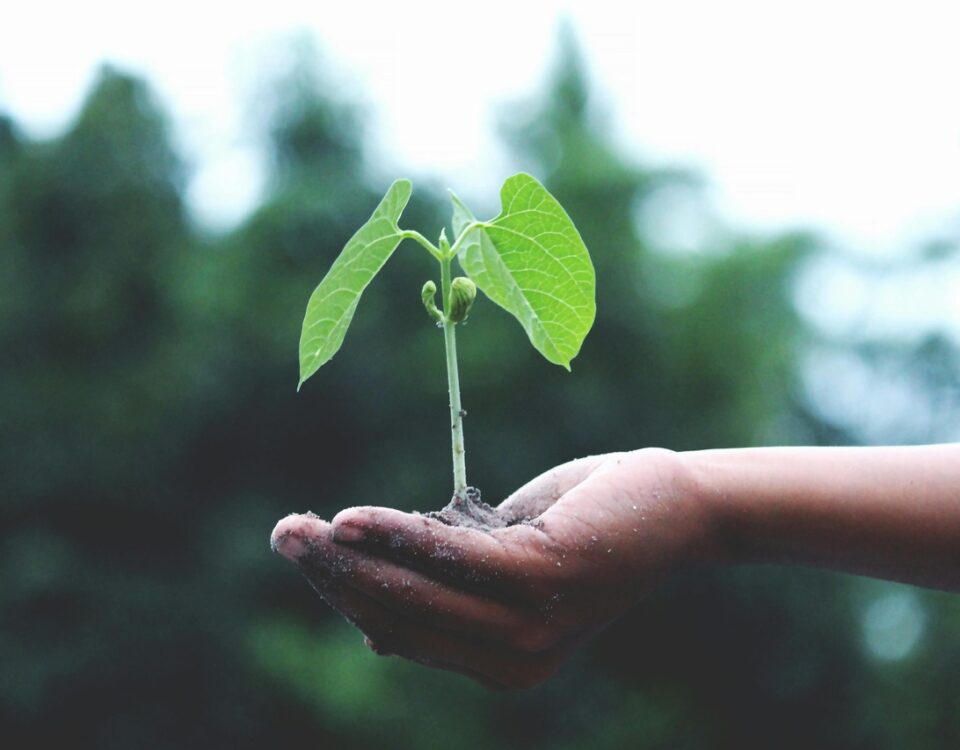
{"points": [[529, 260]]}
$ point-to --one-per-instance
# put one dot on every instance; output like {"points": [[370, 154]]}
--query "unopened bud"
{"points": [[462, 294], [444, 242], [428, 295]]}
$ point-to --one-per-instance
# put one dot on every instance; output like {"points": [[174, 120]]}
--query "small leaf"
{"points": [[334, 301], [531, 261]]}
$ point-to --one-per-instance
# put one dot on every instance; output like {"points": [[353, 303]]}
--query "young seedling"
{"points": [[530, 260]]}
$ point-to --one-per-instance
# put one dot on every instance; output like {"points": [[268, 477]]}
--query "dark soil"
{"points": [[470, 512]]}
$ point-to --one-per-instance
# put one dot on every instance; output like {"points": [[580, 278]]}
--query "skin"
{"points": [[507, 608]]}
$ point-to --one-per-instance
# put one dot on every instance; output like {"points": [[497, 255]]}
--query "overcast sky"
{"points": [[839, 116]]}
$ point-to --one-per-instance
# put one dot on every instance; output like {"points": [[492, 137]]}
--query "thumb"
{"points": [[540, 493]]}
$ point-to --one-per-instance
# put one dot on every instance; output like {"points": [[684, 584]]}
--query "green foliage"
{"points": [[531, 261], [334, 301]]}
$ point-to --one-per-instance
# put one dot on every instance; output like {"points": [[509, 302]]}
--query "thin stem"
{"points": [[453, 383], [463, 235], [412, 234]]}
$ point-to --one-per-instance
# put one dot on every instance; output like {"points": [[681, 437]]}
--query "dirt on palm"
{"points": [[468, 511]]}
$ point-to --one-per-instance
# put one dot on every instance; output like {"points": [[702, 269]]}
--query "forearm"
{"points": [[887, 512]]}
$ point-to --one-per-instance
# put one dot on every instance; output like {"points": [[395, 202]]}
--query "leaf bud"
{"points": [[444, 242], [462, 294], [428, 295]]}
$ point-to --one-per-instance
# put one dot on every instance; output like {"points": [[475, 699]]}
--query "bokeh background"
{"points": [[151, 435]]}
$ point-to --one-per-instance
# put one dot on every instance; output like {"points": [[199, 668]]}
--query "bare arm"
{"points": [[507, 607], [890, 512]]}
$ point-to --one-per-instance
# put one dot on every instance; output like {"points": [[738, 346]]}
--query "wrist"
{"points": [[711, 478], [686, 519]]}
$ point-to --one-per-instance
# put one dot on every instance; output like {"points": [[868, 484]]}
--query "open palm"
{"points": [[508, 606]]}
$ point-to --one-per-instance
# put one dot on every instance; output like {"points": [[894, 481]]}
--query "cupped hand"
{"points": [[507, 607]]}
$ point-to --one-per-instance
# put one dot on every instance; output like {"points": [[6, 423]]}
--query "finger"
{"points": [[494, 667], [540, 493], [495, 564], [405, 591], [378, 624], [293, 534], [308, 542], [529, 661], [580, 509]]}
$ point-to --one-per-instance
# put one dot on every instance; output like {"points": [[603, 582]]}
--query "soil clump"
{"points": [[468, 511]]}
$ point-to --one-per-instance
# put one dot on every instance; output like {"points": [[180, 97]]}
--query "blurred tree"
{"points": [[123, 594]]}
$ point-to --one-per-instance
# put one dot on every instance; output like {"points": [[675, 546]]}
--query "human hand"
{"points": [[509, 606]]}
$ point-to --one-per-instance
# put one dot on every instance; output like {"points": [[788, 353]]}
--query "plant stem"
{"points": [[453, 384], [411, 234], [463, 236]]}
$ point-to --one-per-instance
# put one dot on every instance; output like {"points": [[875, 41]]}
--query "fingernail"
{"points": [[290, 546], [347, 533]]}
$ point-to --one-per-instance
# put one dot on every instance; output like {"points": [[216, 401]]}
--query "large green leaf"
{"points": [[334, 301], [531, 261]]}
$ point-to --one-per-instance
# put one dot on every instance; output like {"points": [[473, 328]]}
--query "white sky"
{"points": [[841, 116]]}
